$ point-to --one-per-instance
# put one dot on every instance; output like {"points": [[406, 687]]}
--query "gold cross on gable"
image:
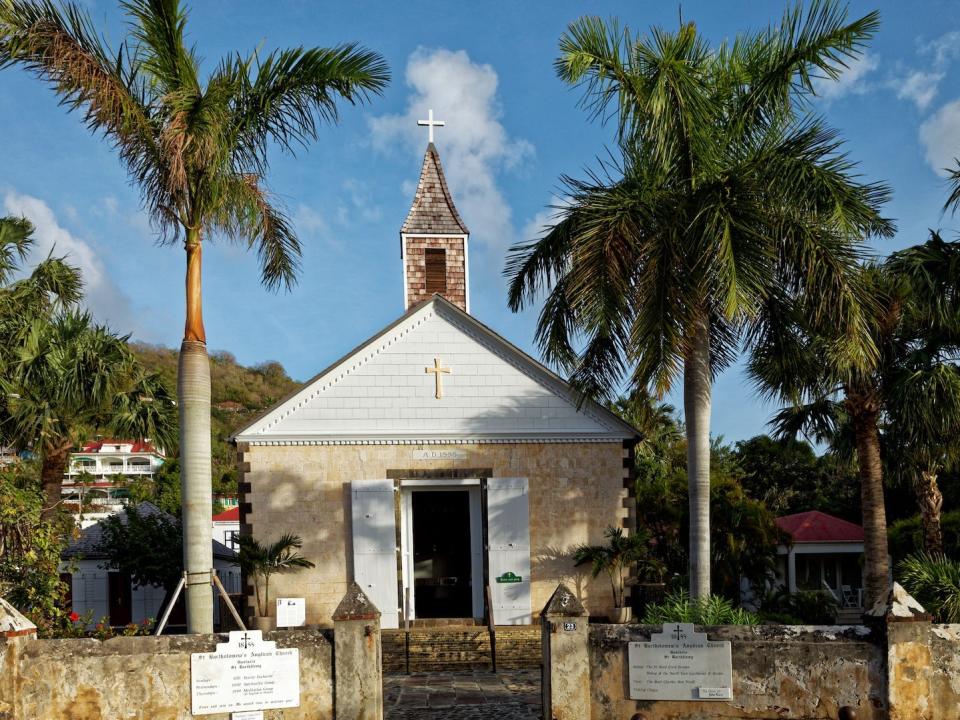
{"points": [[437, 370]]}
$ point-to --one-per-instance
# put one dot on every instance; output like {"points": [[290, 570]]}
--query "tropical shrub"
{"points": [[259, 562], [934, 580], [804, 607], [621, 555], [906, 536], [30, 550], [713, 610]]}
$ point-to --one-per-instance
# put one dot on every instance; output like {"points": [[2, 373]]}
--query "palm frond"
{"points": [[247, 214], [290, 89], [15, 243]]}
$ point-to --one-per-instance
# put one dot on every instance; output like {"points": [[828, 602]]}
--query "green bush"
{"points": [[906, 536], [714, 610], [934, 580], [804, 607]]}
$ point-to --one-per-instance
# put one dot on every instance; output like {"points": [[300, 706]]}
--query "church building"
{"points": [[436, 460]]}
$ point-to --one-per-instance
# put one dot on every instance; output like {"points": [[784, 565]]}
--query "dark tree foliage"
{"points": [[147, 545], [790, 477]]}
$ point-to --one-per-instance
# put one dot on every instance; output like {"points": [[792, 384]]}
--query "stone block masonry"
{"points": [[576, 491]]}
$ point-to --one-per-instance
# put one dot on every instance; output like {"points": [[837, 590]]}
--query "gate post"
{"points": [[566, 657], [357, 660], [906, 627], [15, 632]]}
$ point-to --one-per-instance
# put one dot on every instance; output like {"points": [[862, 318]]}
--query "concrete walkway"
{"points": [[508, 695]]}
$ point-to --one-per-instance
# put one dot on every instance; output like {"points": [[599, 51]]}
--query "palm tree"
{"points": [[723, 200], [197, 149], [654, 420], [52, 285], [923, 386], [71, 378], [907, 397], [258, 562], [61, 375]]}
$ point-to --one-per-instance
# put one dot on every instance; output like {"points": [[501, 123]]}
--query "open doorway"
{"points": [[442, 550], [441, 554]]}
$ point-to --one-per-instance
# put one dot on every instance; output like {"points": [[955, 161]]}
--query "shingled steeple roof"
{"points": [[433, 210]]}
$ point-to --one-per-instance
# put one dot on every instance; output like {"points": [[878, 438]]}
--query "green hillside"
{"points": [[238, 393]]}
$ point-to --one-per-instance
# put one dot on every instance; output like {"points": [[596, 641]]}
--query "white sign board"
{"points": [[680, 664], [246, 673], [291, 612]]}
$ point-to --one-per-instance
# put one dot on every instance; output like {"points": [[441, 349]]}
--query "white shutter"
{"points": [[508, 534], [375, 546]]}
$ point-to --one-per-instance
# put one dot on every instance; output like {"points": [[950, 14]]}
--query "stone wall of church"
{"points": [[416, 269], [576, 490]]}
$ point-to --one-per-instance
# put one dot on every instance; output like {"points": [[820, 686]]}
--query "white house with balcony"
{"points": [[97, 475]]}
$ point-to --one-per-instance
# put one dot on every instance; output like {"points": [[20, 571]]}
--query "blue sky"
{"points": [[512, 130]]}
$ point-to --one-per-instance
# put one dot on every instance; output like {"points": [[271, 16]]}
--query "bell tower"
{"points": [[433, 239]]}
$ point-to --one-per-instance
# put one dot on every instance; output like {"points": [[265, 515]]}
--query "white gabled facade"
{"points": [[382, 393]]}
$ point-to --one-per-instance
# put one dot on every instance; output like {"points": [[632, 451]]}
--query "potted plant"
{"points": [[616, 559], [258, 562]]}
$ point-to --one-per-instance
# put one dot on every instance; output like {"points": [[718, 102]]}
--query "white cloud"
{"points": [[474, 145], [920, 87], [944, 50], [102, 297], [853, 80], [940, 135]]}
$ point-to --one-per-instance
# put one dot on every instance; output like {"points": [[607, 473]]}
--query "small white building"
{"points": [[226, 527], [111, 594]]}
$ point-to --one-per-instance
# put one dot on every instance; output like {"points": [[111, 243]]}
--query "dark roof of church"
{"points": [[433, 210]]}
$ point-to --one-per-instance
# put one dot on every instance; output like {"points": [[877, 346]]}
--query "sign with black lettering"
{"points": [[246, 673], [680, 664]]}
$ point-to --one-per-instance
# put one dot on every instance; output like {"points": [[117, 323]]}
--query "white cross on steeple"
{"points": [[430, 123]]}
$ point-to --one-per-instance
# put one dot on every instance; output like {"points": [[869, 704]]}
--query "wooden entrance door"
{"points": [[120, 599]]}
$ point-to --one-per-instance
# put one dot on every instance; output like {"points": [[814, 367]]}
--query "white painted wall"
{"points": [[383, 389], [90, 587]]}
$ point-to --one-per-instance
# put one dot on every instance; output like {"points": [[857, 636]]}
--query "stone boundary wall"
{"points": [[901, 667], [149, 677], [142, 677], [778, 671]]}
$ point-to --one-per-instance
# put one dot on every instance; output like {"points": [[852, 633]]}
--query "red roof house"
{"points": [[228, 515], [817, 527], [825, 555]]}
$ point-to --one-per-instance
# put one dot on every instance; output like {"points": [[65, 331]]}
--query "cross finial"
{"points": [[430, 123]]}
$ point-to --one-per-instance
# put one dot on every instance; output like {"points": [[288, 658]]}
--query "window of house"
{"points": [[436, 270], [232, 539]]}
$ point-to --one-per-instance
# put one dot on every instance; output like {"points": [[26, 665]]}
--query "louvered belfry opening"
{"points": [[435, 270], [434, 241]]}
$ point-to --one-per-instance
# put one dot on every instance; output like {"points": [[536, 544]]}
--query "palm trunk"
{"points": [[52, 468], [864, 412], [193, 393], [696, 410], [930, 501]]}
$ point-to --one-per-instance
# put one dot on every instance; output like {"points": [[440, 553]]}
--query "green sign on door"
{"points": [[509, 577]]}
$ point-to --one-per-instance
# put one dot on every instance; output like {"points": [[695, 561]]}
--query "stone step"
{"points": [[448, 649]]}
